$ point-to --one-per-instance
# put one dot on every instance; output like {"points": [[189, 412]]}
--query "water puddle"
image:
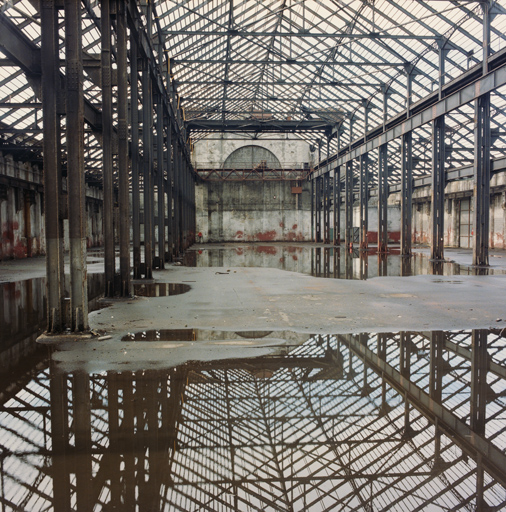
{"points": [[160, 289], [366, 421], [332, 262]]}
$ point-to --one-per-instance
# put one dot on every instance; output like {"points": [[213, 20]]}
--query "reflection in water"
{"points": [[331, 262], [404, 421], [160, 289]]}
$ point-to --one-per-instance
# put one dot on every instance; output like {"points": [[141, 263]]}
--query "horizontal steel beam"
{"points": [[493, 459], [219, 82], [467, 94], [291, 62], [304, 34], [258, 99], [257, 126]]}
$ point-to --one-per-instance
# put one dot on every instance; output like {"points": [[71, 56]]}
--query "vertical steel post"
{"points": [[318, 212], [108, 214], [170, 172], [364, 201], [123, 175], [177, 234], [438, 187], [326, 208], [405, 370], [75, 165], [134, 114], [348, 205], [406, 192], [313, 216], [55, 277], [337, 206], [147, 130], [482, 144], [160, 182], [383, 199]]}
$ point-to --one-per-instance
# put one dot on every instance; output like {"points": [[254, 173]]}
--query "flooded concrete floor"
{"points": [[252, 380]]}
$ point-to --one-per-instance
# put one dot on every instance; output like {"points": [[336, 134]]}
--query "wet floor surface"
{"points": [[204, 398], [346, 422]]}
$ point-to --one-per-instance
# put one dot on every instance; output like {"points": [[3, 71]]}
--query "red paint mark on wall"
{"points": [[294, 226], [239, 251], [294, 257], [294, 237], [281, 225], [266, 249], [268, 236], [19, 250], [239, 234]]}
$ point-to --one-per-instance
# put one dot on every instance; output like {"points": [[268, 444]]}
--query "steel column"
{"points": [[438, 187], [348, 205], [364, 201], [337, 206], [123, 174], [318, 216], [107, 171], [326, 208], [177, 240], [147, 165], [383, 199], [55, 277], [482, 143], [160, 183], [75, 165], [406, 192], [313, 216], [134, 119], [170, 171]]}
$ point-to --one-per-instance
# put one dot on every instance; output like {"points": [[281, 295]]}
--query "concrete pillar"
{"points": [[55, 282], [75, 166]]}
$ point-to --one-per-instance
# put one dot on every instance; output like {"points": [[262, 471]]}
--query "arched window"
{"points": [[250, 157]]}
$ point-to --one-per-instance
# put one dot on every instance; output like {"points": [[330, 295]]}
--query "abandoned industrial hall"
{"points": [[252, 255]]}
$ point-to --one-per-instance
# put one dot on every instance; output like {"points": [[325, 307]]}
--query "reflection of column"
{"points": [[348, 265], [114, 462], [318, 262], [82, 429], [326, 262], [337, 262], [129, 449], [479, 368], [406, 267], [435, 388], [405, 371], [363, 338], [59, 441], [382, 353]]}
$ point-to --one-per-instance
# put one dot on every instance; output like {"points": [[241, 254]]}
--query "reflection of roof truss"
{"points": [[313, 429]]}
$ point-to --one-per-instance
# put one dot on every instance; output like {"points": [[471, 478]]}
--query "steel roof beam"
{"points": [[289, 62], [258, 126]]}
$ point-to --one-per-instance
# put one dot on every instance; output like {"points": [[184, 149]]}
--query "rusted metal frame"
{"points": [[53, 207], [383, 199], [75, 166], [147, 167], [494, 460], [134, 121], [364, 201], [438, 188], [406, 192], [123, 174], [160, 169], [348, 205], [481, 214], [107, 169]]}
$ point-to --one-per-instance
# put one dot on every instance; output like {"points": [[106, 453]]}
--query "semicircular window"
{"points": [[252, 157]]}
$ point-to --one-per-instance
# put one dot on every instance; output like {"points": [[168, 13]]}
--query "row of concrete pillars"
{"points": [[144, 144]]}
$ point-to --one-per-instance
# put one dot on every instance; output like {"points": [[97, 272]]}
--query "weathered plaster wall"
{"points": [[211, 152], [252, 211], [22, 211]]}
